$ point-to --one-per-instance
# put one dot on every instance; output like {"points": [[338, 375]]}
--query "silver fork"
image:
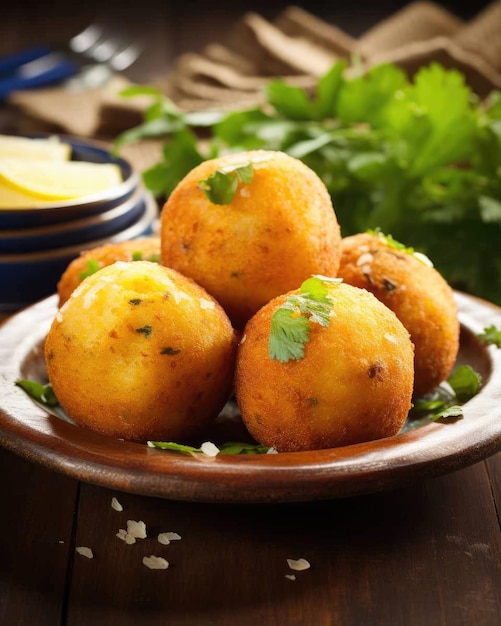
{"points": [[87, 60]]}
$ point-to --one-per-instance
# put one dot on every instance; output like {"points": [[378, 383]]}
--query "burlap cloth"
{"points": [[297, 46]]}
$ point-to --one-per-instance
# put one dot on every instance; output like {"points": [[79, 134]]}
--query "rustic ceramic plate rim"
{"points": [[428, 451]]}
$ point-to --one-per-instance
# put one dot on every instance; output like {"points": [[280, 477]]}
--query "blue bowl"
{"points": [[26, 278], [64, 210], [74, 232]]}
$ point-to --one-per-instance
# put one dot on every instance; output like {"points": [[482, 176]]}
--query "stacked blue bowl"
{"points": [[38, 243]]}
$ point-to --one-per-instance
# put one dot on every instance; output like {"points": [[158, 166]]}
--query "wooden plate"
{"points": [[428, 451]]}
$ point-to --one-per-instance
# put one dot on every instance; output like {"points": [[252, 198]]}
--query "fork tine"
{"points": [[86, 39], [125, 58]]}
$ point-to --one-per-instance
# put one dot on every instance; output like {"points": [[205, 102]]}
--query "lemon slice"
{"points": [[51, 149], [10, 198], [65, 180]]}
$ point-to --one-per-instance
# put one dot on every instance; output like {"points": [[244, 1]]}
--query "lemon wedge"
{"points": [[46, 149], [52, 181]]}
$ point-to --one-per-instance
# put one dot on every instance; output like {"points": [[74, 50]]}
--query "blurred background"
{"points": [[173, 27]]}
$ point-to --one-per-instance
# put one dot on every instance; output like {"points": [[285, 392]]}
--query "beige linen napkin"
{"points": [[296, 46]]}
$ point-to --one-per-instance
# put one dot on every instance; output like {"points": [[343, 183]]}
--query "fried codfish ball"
{"points": [[141, 352], [353, 384], [276, 231], [89, 261], [416, 292]]}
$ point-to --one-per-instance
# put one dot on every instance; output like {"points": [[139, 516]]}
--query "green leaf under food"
{"points": [[40, 392], [465, 382], [230, 447], [449, 414]]}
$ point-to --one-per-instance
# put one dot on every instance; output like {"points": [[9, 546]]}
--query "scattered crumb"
{"points": [[115, 504], [299, 565], [209, 449], [290, 577], [136, 529], [124, 536], [155, 562], [365, 259], [87, 552], [166, 538]]}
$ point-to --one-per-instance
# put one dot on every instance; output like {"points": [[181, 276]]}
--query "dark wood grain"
{"points": [[414, 556], [36, 523], [493, 465]]}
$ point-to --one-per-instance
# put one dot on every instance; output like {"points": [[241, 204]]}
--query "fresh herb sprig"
{"points": [[221, 186], [420, 159], [491, 336], [291, 322], [230, 447], [444, 403], [41, 392]]}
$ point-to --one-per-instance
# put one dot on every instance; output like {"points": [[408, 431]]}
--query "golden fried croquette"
{"points": [[353, 384], [141, 352], [89, 261], [416, 292], [276, 231]]}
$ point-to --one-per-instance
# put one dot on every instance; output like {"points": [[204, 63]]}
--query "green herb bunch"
{"points": [[420, 159]]}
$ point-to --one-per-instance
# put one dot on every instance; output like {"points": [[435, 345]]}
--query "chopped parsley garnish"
{"points": [[221, 186], [290, 324], [144, 330], [170, 351], [491, 336], [91, 267], [391, 242], [40, 392]]}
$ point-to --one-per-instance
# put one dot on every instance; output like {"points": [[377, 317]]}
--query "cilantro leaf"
{"points": [[443, 404], [491, 336], [176, 447], [449, 414], [289, 333], [40, 392], [230, 447], [221, 186], [235, 447], [465, 382], [290, 323]]}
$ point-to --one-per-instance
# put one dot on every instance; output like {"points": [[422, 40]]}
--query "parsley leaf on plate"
{"points": [[40, 392]]}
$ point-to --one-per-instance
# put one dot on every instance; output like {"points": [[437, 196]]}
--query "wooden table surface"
{"points": [[425, 555]]}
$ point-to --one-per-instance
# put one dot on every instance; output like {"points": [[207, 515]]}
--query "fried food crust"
{"points": [[278, 230], [354, 383], [419, 296], [148, 248], [141, 352]]}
